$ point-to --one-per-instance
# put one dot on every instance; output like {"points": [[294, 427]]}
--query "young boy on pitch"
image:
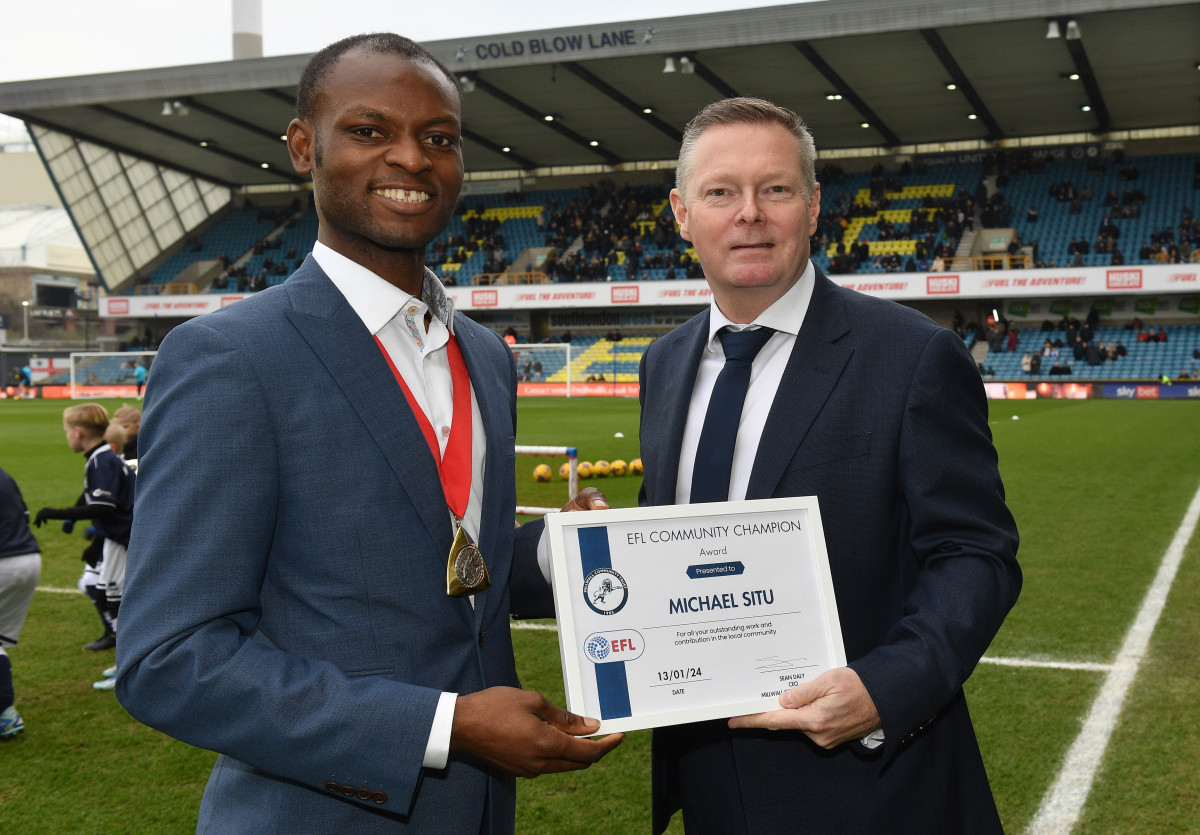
{"points": [[108, 485], [20, 566]]}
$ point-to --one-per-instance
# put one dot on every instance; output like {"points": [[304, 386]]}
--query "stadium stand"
{"points": [[1144, 360], [1078, 199], [874, 221]]}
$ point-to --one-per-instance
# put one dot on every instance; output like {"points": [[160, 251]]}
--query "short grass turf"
{"points": [[1098, 489]]}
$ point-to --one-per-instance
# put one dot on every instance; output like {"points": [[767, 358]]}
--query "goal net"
{"points": [[547, 478], [544, 369], [109, 373]]}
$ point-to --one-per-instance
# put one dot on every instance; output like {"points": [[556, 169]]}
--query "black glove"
{"points": [[43, 515], [68, 525]]}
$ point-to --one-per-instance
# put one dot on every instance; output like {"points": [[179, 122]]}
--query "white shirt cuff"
{"points": [[872, 740], [437, 749], [543, 557]]}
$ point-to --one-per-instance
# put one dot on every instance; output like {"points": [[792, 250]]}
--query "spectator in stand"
{"points": [[1027, 363], [1162, 335], [1031, 216], [1147, 336], [1013, 336], [1122, 351], [1035, 364], [1195, 353], [995, 339], [1111, 351]]}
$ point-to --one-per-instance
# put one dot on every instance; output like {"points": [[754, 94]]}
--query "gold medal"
{"points": [[466, 572]]}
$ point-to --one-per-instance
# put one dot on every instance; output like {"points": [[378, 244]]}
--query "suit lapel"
{"points": [[677, 377], [347, 350], [818, 358]]}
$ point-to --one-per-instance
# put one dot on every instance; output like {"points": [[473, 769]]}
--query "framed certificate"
{"points": [[691, 612]]}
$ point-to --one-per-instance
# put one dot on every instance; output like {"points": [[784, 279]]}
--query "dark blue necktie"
{"points": [[714, 454]]}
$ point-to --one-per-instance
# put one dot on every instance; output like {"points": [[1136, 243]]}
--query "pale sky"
{"points": [[81, 37]]}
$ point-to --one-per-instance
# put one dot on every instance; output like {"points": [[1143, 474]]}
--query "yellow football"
{"points": [[619, 467], [635, 466], [601, 469], [584, 469], [542, 472], [564, 472]]}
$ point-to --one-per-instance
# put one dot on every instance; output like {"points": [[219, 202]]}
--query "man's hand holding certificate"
{"points": [[686, 613]]}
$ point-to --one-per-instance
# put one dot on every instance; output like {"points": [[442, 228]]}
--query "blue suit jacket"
{"points": [[881, 415], [285, 601]]}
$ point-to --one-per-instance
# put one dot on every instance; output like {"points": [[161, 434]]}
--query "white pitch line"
{"points": [[56, 590], [1089, 666], [1062, 805], [545, 627]]}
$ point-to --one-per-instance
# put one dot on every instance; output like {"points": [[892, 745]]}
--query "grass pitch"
{"points": [[1098, 489]]}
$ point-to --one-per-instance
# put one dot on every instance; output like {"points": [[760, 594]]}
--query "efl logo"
{"points": [[1124, 279], [941, 285], [1147, 392], [624, 295], [618, 645], [118, 307], [485, 298]]}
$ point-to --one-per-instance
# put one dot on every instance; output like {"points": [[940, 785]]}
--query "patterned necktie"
{"points": [[714, 453]]}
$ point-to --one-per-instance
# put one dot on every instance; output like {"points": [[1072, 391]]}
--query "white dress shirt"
{"points": [[421, 357], [785, 316]]}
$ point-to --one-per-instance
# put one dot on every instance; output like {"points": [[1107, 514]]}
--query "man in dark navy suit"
{"points": [[878, 412]]}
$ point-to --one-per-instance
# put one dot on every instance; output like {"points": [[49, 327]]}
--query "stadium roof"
{"points": [[1132, 63]]}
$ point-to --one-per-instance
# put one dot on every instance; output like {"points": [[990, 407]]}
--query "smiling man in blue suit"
{"points": [[333, 617], [879, 413]]}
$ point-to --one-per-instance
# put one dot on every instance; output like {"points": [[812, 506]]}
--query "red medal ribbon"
{"points": [[454, 466]]}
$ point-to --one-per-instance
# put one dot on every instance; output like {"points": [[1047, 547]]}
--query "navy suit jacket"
{"points": [[285, 602], [881, 415]]}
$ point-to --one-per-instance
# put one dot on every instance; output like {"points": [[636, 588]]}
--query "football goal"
{"points": [[544, 369], [109, 373]]}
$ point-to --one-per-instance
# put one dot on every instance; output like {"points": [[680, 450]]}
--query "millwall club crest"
{"points": [[604, 591]]}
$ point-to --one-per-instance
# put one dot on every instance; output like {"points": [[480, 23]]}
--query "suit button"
{"points": [[379, 797], [348, 791], [332, 786], [481, 637], [363, 794]]}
